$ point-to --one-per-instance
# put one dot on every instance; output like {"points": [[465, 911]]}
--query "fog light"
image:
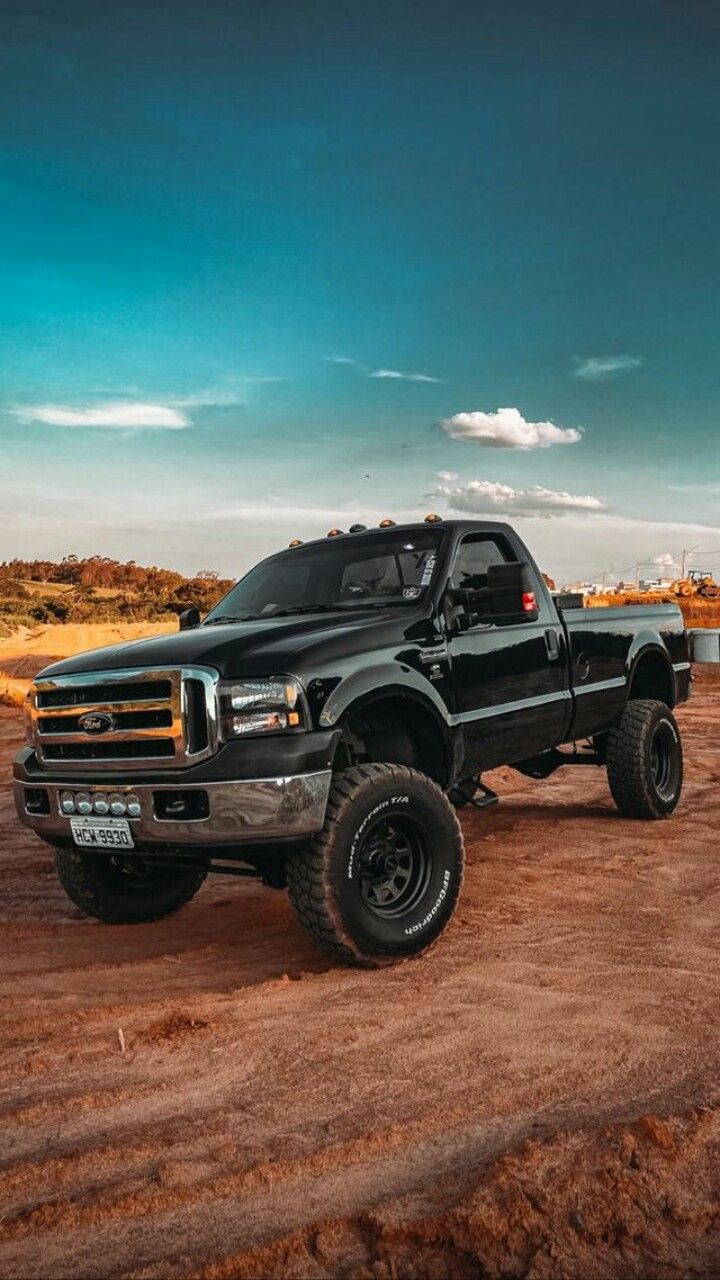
{"points": [[67, 802], [117, 804], [133, 806], [100, 802], [83, 803]]}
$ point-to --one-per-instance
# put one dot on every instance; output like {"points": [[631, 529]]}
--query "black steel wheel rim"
{"points": [[394, 866], [663, 761]]}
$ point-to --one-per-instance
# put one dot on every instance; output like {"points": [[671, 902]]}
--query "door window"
{"points": [[474, 559]]}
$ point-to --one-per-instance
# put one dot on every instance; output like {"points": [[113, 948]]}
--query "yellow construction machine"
{"points": [[697, 583]]}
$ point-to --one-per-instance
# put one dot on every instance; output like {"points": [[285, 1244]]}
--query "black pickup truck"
{"points": [[320, 727]]}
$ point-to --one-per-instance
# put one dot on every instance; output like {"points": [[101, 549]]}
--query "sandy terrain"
{"points": [[537, 1097], [50, 641], [27, 651]]}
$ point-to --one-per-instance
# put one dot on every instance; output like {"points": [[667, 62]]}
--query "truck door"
{"points": [[509, 681]]}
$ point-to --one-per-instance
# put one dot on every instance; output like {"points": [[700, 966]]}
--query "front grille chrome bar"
{"points": [[184, 697]]}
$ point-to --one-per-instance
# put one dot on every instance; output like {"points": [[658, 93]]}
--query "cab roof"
{"points": [[457, 527]]}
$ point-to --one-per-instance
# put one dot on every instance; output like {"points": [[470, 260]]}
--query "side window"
{"points": [[473, 560]]}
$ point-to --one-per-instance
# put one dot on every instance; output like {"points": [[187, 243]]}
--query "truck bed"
{"points": [[603, 646]]}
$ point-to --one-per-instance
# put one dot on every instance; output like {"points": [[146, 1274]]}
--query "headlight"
{"points": [[261, 706]]}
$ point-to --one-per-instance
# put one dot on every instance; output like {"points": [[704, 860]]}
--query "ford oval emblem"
{"points": [[96, 722]]}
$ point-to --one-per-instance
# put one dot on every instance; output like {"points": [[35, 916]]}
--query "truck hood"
{"points": [[265, 647]]}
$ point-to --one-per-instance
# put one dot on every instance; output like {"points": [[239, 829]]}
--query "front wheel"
{"points": [[645, 760], [124, 890], [382, 878]]}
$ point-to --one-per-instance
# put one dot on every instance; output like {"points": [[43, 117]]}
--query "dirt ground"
{"points": [[24, 653], [539, 1096]]}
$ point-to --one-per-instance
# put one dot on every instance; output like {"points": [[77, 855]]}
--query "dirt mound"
{"points": [[65, 639], [26, 652], [12, 692], [171, 1028], [696, 611], [27, 666], [628, 1200]]}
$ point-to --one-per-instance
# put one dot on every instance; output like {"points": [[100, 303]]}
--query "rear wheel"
{"points": [[382, 878], [124, 890], [645, 760]]}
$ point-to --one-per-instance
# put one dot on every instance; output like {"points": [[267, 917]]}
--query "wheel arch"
{"points": [[650, 673], [398, 725]]}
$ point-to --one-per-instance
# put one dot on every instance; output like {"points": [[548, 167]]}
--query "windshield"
{"points": [[342, 573]]}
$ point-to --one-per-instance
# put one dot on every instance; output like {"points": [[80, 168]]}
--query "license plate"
{"points": [[102, 833]]}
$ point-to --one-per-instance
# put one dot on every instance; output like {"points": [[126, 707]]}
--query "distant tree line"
{"points": [[100, 590]]}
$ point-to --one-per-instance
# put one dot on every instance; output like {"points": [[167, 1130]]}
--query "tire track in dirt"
{"points": [[351, 1181]]}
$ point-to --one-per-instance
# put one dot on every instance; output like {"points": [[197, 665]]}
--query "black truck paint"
{"points": [[408, 682]]}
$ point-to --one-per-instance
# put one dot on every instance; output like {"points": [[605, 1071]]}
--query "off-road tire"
{"points": [[99, 886], [645, 760], [331, 884]]}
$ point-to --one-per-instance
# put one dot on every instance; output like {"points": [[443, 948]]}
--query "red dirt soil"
{"points": [[537, 1097]]}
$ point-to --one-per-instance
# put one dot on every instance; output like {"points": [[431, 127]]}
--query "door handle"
{"points": [[552, 643]]}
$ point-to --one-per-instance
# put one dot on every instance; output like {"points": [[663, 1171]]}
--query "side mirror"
{"points": [[189, 618], [512, 588], [508, 597]]}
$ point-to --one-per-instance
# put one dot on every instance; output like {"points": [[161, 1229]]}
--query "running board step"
{"points": [[466, 792], [487, 799]]}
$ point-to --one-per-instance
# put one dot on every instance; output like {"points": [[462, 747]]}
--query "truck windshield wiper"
{"points": [[374, 604], [230, 617], [300, 608]]}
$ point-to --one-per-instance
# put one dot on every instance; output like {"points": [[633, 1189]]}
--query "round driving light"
{"points": [[117, 804], [100, 802], [67, 802], [133, 806], [83, 803]]}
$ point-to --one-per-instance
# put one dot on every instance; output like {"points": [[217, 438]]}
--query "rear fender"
{"points": [[648, 644]]}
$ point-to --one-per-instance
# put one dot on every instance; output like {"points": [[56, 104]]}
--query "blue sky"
{"points": [[225, 226]]}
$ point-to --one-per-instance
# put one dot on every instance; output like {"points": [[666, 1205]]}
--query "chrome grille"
{"points": [[159, 719]]}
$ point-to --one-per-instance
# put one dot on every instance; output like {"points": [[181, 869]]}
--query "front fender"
{"points": [[384, 680]]}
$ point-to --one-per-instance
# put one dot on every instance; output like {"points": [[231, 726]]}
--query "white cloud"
{"points": [[488, 497], [156, 524], [395, 375], [507, 429], [665, 560], [126, 413], [169, 413], [704, 488], [447, 476], [224, 396], [398, 376], [602, 368]]}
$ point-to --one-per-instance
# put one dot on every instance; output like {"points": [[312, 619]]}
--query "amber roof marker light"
{"points": [[387, 523], [334, 533], [433, 518], [296, 542]]}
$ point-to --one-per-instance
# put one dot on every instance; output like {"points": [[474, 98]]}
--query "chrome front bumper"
{"points": [[239, 812]]}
